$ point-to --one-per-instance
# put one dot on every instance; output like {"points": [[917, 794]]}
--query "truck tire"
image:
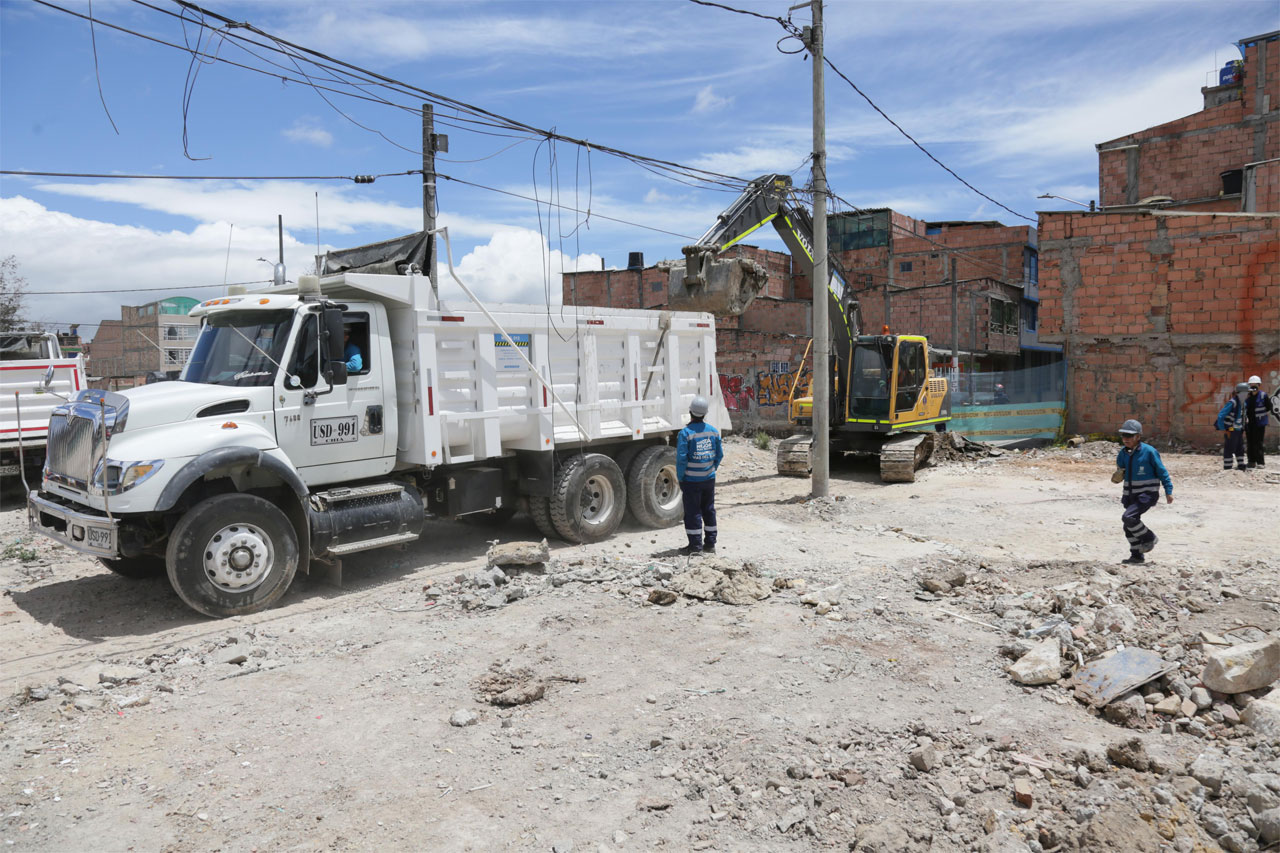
{"points": [[653, 492], [540, 512], [232, 554], [135, 568], [588, 499]]}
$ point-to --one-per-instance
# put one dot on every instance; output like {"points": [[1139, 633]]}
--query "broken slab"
{"points": [[1239, 669], [1263, 716], [1101, 681], [720, 580]]}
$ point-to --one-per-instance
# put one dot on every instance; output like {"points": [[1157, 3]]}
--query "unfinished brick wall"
{"points": [[927, 311], [757, 370], [1159, 316], [1184, 158]]}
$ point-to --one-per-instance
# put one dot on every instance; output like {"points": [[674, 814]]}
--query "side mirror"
{"points": [[335, 364], [48, 379]]}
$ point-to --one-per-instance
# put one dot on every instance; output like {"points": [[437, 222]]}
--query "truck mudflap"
{"points": [[86, 532]]}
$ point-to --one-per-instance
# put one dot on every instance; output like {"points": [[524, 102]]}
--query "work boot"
{"points": [[1146, 547], [690, 550], [1134, 559], [709, 548]]}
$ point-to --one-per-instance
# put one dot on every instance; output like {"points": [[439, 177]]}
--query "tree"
{"points": [[12, 290]]}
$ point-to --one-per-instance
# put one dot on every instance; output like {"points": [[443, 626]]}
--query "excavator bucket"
{"points": [[724, 287]]}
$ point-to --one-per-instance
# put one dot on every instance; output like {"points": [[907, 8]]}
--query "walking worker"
{"points": [[1231, 419], [1257, 410], [698, 455], [1140, 469]]}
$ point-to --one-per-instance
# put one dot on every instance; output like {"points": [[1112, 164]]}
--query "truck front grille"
{"points": [[73, 449]]}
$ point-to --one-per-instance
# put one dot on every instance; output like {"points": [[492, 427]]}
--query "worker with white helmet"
{"points": [[1140, 468], [1257, 409], [698, 454]]}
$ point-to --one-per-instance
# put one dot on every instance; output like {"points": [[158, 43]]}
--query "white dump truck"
{"points": [[35, 377], [281, 445]]}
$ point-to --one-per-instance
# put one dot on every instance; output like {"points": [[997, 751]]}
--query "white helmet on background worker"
{"points": [[1130, 427], [1255, 380], [699, 407]]}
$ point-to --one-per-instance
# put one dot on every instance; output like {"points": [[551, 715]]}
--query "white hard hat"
{"points": [[1255, 380], [699, 407]]}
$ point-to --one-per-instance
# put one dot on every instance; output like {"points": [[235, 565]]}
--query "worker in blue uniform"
{"points": [[698, 454], [1139, 467]]}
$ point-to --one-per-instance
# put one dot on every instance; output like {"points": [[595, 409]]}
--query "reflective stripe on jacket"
{"points": [[1144, 472], [698, 452]]}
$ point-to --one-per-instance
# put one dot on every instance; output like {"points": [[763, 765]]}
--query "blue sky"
{"points": [[1012, 95]]}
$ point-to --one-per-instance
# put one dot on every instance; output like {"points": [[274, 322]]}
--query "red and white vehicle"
{"points": [[35, 378]]}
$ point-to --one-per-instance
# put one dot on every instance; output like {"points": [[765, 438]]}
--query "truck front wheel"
{"points": [[232, 554]]}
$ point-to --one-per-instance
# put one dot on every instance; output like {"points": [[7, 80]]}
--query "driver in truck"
{"points": [[351, 352]]}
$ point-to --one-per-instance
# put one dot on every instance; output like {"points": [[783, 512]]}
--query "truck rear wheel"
{"points": [[232, 554], [653, 492], [588, 499], [135, 568], [540, 512]]}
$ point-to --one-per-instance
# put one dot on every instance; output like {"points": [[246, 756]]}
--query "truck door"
{"points": [[334, 433]]}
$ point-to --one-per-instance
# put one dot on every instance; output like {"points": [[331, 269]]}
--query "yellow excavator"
{"points": [[885, 401]]}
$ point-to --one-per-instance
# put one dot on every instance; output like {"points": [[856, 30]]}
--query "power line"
{"points": [[359, 179], [794, 32], [593, 214]]}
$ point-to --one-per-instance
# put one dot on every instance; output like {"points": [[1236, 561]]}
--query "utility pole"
{"points": [[821, 330], [430, 144], [955, 322]]}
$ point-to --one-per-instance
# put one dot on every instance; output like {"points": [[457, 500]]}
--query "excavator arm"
{"points": [[727, 286]]}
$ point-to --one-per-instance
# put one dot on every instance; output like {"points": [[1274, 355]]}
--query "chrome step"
{"points": [[367, 544], [351, 493]]}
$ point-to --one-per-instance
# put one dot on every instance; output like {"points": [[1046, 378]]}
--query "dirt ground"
{"points": [[879, 717]]}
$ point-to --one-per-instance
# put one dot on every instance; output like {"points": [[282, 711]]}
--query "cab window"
{"points": [[356, 348], [305, 364], [911, 374]]}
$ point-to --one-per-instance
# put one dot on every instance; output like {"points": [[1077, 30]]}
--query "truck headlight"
{"points": [[117, 477]]}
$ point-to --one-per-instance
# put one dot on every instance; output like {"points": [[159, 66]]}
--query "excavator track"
{"points": [[795, 456], [901, 455]]}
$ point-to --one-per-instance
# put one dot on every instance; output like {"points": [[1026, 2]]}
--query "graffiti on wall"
{"points": [[775, 388], [738, 392]]}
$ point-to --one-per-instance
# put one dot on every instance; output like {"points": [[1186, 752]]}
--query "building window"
{"points": [[1004, 318], [904, 266], [1030, 313]]}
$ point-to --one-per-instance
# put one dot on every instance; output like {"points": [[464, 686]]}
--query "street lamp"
{"points": [[1090, 205]]}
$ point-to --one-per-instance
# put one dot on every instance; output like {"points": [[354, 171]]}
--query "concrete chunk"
{"points": [[519, 553], [1239, 669], [1041, 665]]}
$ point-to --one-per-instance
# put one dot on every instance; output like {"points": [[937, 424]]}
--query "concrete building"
{"points": [[1169, 295], [146, 342]]}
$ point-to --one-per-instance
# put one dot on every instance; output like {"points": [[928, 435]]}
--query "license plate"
{"points": [[335, 430], [9, 469], [98, 537]]}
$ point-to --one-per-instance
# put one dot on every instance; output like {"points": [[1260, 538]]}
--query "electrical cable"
{"points": [[174, 287], [359, 179]]}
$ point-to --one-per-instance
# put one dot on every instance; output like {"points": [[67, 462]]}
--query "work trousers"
{"points": [[1233, 445], [1141, 538], [1253, 434], [699, 511]]}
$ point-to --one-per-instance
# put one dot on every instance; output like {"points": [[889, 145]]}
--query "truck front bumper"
{"points": [[87, 532]]}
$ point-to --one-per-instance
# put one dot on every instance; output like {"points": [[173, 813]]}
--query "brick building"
{"points": [[150, 339], [1169, 295], [897, 265]]}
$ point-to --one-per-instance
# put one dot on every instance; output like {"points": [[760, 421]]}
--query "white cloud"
{"points": [[707, 101], [309, 132], [60, 252], [514, 266]]}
